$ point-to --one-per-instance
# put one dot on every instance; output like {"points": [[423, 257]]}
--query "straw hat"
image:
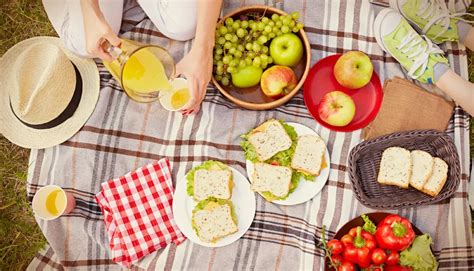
{"points": [[46, 92]]}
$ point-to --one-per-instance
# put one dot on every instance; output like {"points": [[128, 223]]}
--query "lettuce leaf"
{"points": [[208, 165], [202, 205], [282, 158]]}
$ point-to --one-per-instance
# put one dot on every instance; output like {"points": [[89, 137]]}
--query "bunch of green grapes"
{"points": [[243, 42]]}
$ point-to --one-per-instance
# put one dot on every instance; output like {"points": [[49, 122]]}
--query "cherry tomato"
{"points": [[337, 259], [335, 246], [392, 258], [347, 239], [346, 266], [274, 163], [353, 231], [378, 256]]}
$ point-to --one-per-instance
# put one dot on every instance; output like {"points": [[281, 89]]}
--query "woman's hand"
{"points": [[196, 66], [97, 30]]}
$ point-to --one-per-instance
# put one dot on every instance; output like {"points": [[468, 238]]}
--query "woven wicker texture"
{"points": [[364, 163]]}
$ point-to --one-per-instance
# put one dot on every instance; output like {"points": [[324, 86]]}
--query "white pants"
{"points": [[176, 19]]}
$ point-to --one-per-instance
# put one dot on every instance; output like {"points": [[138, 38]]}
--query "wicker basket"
{"points": [[364, 163]]}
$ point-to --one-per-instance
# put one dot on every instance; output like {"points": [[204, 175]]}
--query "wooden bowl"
{"points": [[253, 97]]}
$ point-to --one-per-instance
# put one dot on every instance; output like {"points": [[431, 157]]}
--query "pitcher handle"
{"points": [[114, 51]]}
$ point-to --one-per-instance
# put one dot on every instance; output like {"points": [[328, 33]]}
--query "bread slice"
{"points": [[273, 179], [395, 167], [422, 168], [212, 183], [437, 180], [213, 221], [309, 154], [269, 139]]}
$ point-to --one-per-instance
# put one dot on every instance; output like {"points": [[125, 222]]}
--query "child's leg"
{"points": [[175, 19], [66, 18], [458, 88]]}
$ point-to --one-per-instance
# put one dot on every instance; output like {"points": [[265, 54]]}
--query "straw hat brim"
{"points": [[27, 137]]}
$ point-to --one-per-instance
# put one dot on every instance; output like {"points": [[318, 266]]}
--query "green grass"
{"points": [[20, 237]]}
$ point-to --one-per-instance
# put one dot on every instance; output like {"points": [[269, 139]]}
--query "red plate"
{"points": [[321, 80]]}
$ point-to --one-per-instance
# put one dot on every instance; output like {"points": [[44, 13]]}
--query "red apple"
{"points": [[353, 70], [277, 81], [336, 108]]}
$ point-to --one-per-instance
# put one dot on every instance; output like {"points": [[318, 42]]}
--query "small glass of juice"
{"points": [[51, 201], [178, 97]]}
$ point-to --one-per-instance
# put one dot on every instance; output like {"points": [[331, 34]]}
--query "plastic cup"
{"points": [[166, 97], [51, 202]]}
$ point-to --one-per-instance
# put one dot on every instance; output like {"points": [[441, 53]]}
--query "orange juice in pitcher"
{"points": [[142, 70]]}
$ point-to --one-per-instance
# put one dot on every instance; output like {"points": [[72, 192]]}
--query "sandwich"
{"points": [[422, 168], [214, 219], [395, 167], [273, 182], [437, 180], [268, 139], [308, 157], [211, 179]]}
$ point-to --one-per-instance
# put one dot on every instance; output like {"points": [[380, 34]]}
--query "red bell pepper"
{"points": [[394, 233], [359, 250]]}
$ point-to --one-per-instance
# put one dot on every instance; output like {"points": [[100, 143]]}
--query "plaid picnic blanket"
{"points": [[123, 135]]}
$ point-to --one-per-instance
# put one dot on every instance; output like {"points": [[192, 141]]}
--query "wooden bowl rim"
{"points": [[284, 99]]}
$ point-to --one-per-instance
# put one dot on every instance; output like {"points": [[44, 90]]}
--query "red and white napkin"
{"points": [[138, 213]]}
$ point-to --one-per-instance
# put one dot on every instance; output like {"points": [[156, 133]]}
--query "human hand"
{"points": [[196, 66], [97, 31]]}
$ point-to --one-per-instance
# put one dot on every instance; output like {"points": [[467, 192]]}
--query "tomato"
{"points": [[346, 266], [353, 231], [335, 246], [274, 163], [337, 259], [392, 258], [347, 239], [378, 256]]}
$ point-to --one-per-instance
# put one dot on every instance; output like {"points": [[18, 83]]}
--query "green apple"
{"points": [[336, 108], [353, 70], [286, 49], [248, 76]]}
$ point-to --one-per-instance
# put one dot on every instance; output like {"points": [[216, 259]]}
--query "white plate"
{"points": [[243, 200], [306, 190]]}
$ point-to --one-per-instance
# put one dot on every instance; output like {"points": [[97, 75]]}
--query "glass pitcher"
{"points": [[143, 70]]}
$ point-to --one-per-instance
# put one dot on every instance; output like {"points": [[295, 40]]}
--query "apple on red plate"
{"points": [[337, 108], [353, 70]]}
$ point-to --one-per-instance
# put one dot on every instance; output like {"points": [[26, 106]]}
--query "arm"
{"points": [[197, 64], [459, 89], [97, 30]]}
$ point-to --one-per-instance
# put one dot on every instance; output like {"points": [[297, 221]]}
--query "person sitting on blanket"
{"points": [[419, 54], [82, 25]]}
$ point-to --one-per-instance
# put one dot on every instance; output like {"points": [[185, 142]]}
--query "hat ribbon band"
{"points": [[68, 111]]}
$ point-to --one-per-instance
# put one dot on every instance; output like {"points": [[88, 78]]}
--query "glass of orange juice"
{"points": [[143, 70], [51, 201], [178, 97]]}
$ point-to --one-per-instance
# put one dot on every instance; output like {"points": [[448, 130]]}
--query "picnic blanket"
{"points": [[123, 135]]}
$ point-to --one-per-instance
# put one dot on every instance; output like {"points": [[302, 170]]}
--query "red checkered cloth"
{"points": [[138, 213]]}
